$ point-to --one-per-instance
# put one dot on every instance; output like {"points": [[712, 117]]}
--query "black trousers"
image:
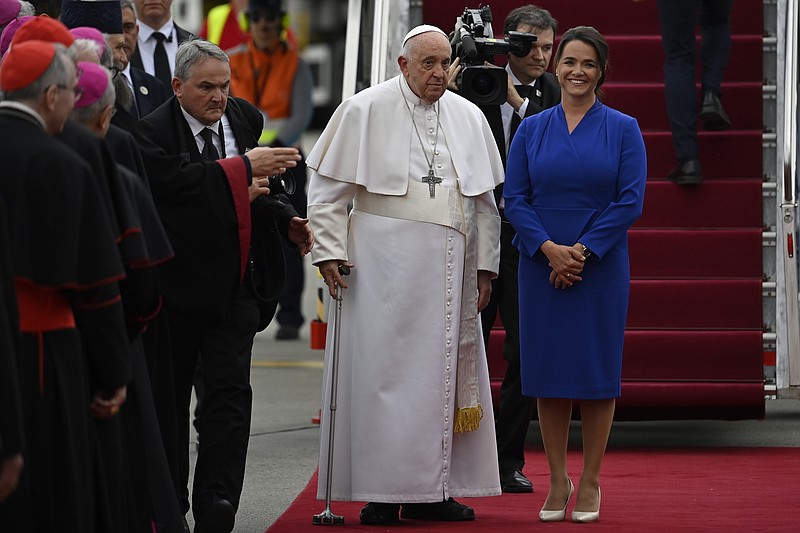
{"points": [[223, 420], [515, 410], [678, 19]]}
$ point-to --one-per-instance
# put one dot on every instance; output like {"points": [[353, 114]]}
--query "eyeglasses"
{"points": [[77, 92]]}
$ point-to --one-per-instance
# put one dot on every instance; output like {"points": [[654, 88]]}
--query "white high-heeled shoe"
{"points": [[588, 516], [561, 514]]}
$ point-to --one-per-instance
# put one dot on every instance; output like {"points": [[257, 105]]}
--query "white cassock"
{"points": [[401, 318]]}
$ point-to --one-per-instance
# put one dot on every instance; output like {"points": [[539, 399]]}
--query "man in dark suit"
{"points": [[159, 38], [530, 90], [148, 91], [227, 272]]}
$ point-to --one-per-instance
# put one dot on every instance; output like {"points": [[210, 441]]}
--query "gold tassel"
{"points": [[468, 419]]}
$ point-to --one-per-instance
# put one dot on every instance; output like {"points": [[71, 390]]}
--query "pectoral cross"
{"points": [[431, 179]]}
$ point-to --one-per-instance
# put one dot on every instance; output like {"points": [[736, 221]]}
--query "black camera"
{"points": [[282, 184], [473, 41]]}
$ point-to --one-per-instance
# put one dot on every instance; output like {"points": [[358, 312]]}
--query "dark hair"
{"points": [[593, 38], [532, 16]]}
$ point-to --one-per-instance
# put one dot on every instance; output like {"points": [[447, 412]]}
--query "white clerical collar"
{"points": [[196, 126], [409, 95], [19, 106], [145, 31]]}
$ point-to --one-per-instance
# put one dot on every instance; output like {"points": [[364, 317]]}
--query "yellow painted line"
{"points": [[286, 364]]}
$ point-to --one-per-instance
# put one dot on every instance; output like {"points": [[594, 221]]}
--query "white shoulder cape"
{"points": [[368, 142]]}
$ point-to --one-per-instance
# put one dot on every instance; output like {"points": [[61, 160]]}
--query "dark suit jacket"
{"points": [[196, 206], [548, 94], [180, 33], [148, 91]]}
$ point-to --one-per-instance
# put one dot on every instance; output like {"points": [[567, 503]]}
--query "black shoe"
{"points": [[219, 518], [515, 481], [380, 513], [287, 333], [714, 117], [446, 511], [686, 173]]}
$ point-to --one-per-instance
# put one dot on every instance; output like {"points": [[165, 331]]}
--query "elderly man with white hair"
{"points": [[419, 164]]}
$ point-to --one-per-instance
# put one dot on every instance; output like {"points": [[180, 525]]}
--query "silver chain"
{"points": [[414, 122]]}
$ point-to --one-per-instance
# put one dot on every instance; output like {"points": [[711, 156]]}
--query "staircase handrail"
{"points": [[788, 371]]}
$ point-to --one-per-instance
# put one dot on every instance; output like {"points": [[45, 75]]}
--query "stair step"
{"points": [[714, 204], [693, 355], [620, 17], [727, 154], [682, 400], [640, 58], [693, 253], [647, 103], [695, 304]]}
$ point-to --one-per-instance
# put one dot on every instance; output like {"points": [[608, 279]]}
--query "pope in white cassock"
{"points": [[414, 421]]}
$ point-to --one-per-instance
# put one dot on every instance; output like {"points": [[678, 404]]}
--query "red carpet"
{"points": [[652, 490]]}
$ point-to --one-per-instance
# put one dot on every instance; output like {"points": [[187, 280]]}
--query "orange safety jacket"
{"points": [[265, 79]]}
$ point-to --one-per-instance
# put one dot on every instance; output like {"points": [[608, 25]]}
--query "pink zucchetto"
{"points": [[9, 10], [92, 34], [93, 81], [10, 30]]}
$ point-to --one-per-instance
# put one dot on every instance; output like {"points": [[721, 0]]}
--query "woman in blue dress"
{"points": [[574, 185]]}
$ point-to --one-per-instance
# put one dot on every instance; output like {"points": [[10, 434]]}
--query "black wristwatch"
{"points": [[586, 252]]}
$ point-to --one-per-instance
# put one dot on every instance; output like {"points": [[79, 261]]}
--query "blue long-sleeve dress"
{"points": [[587, 187]]}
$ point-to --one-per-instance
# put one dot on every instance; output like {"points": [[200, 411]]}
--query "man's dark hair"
{"points": [[532, 16]]}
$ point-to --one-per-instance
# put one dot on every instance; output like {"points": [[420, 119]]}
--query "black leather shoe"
{"points": [[380, 513], [287, 333], [219, 518], [686, 173], [446, 511], [515, 481], [714, 116]]}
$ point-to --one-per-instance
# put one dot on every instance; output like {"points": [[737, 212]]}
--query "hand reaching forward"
{"points": [[266, 161], [300, 233]]}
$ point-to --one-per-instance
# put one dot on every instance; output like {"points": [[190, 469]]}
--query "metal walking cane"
{"points": [[326, 517]]}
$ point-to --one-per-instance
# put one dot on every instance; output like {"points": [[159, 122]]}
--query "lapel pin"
{"points": [[143, 90]]}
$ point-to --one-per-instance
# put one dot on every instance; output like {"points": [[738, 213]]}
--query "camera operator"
{"points": [[530, 89]]}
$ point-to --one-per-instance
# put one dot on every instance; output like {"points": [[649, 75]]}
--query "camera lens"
{"points": [[282, 184], [484, 84]]}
